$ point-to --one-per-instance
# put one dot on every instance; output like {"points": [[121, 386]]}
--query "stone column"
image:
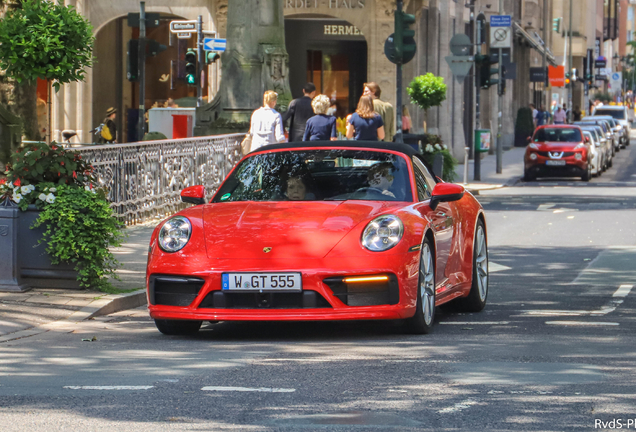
{"points": [[256, 60]]}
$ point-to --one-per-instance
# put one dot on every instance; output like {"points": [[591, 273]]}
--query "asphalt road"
{"points": [[554, 350]]}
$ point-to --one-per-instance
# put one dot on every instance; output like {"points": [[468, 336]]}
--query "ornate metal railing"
{"points": [[144, 179]]}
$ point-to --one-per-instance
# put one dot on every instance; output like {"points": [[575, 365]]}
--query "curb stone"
{"points": [[103, 306]]}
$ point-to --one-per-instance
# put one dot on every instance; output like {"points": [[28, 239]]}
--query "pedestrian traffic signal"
{"points": [[191, 66], [212, 57], [556, 24], [403, 38], [486, 71], [132, 60]]}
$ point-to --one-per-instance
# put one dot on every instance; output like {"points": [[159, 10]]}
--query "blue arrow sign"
{"points": [[211, 44], [500, 20]]}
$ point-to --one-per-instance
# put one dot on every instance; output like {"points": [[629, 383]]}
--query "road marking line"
{"points": [[581, 323], [108, 387], [476, 323], [248, 389], [458, 407], [623, 290]]}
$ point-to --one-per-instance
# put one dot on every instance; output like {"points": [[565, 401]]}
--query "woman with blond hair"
{"points": [[365, 124], [266, 126], [321, 127]]}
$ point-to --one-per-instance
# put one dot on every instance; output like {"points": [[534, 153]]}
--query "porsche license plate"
{"points": [[555, 163], [262, 282]]}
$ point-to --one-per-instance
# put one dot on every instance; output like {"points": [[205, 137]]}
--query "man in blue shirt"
{"points": [[543, 117]]}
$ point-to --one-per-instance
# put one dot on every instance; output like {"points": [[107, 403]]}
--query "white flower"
{"points": [[50, 198], [25, 190], [10, 185], [445, 147], [42, 197], [28, 153], [52, 190], [88, 188], [17, 197], [429, 148], [438, 147]]}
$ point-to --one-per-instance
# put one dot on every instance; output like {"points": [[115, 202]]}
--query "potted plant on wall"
{"points": [[524, 126], [66, 227], [433, 147]]}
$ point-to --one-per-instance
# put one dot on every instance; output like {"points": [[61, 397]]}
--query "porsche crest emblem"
{"points": [[267, 249]]}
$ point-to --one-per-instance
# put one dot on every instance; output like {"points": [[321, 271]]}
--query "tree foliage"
{"points": [[427, 91], [45, 40]]}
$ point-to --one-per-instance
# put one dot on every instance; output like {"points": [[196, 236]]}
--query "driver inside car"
{"points": [[380, 177], [297, 189]]}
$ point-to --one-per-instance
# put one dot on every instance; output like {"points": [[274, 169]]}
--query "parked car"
{"points": [[320, 231], [597, 158], [601, 143], [616, 127], [607, 130], [558, 150], [620, 113]]}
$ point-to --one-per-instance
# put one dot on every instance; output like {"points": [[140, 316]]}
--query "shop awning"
{"points": [[535, 43]]}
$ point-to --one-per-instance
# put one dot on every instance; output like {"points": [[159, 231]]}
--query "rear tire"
{"points": [[177, 327], [424, 318], [476, 299]]}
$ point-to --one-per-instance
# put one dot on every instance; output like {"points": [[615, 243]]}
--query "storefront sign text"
{"points": [[331, 4], [342, 30]]}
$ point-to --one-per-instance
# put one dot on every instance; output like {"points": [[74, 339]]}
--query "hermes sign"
{"points": [[349, 30], [331, 4]]}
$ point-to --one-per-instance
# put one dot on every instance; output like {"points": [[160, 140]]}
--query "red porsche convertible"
{"points": [[320, 231]]}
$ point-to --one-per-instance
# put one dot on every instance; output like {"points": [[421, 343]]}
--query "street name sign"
{"points": [[211, 44], [184, 35], [183, 26]]}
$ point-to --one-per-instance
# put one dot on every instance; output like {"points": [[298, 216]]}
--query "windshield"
{"points": [[599, 123], [558, 135], [618, 114], [316, 175]]}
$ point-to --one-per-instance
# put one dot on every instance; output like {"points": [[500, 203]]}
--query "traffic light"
{"points": [[211, 57], [132, 60], [191, 66], [568, 81], [486, 70], [404, 37], [556, 24], [153, 47], [590, 79]]}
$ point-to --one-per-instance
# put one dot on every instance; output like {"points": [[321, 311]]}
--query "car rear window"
{"points": [[316, 175], [618, 114], [558, 135]]}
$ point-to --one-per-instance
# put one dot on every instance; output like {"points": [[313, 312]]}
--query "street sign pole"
{"points": [[500, 87], [141, 126], [200, 61], [476, 155], [398, 86], [569, 67]]}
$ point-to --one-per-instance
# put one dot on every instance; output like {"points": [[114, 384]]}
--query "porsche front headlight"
{"points": [[382, 233], [174, 234]]}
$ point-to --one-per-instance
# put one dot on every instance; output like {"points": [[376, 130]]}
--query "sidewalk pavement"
{"points": [[40, 310], [512, 171]]}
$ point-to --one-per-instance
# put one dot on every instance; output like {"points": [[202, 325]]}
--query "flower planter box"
{"points": [[36, 268]]}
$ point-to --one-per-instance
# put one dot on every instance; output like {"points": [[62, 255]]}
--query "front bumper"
{"points": [[322, 298], [539, 167]]}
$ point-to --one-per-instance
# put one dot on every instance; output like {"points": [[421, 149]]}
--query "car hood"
{"points": [[556, 146], [308, 229]]}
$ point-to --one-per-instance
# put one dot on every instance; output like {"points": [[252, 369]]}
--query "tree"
{"points": [[427, 91], [40, 39]]}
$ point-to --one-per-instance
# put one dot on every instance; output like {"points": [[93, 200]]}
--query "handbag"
{"points": [[246, 144]]}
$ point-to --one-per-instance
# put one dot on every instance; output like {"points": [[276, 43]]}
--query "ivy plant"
{"points": [[427, 91], [81, 229], [47, 40]]}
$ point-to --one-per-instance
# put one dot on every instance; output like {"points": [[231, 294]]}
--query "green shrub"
{"points": [[433, 146], [427, 91], [524, 123]]}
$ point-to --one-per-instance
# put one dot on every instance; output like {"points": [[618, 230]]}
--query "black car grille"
{"points": [[365, 293], [547, 154], [173, 290], [256, 300]]}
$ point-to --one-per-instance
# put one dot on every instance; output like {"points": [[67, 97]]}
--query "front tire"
{"points": [[587, 175], [177, 327], [478, 294], [424, 318], [528, 177]]}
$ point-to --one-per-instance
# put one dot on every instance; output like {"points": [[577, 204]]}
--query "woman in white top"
{"points": [[267, 124]]}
